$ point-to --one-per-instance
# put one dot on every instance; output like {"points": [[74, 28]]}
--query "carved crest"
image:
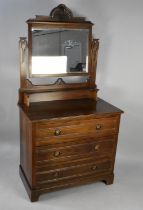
{"points": [[61, 12]]}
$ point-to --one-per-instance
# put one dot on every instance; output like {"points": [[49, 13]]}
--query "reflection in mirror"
{"points": [[59, 51]]}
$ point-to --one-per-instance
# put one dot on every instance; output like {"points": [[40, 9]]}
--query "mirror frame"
{"points": [[61, 16]]}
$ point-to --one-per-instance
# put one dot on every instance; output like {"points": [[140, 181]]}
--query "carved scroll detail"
{"points": [[23, 44], [60, 81], [94, 51], [94, 55], [28, 83]]}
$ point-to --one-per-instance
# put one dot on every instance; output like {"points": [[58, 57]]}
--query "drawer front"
{"points": [[74, 171], [50, 133], [76, 151], [51, 166]]}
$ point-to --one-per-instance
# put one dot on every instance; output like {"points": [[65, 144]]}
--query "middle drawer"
{"points": [[104, 148]]}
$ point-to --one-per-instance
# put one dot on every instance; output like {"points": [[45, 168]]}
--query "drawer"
{"points": [[50, 133], [51, 166], [74, 171], [104, 148]]}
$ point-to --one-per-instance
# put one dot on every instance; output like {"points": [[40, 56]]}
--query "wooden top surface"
{"points": [[68, 108]]}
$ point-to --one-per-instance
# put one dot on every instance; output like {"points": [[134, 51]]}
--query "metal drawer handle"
{"points": [[94, 167], [98, 126], [57, 154], [97, 147], [57, 132]]}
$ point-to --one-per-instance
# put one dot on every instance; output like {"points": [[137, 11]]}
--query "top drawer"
{"points": [[69, 130]]}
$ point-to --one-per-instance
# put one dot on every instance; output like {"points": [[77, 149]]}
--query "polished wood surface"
{"points": [[68, 136], [59, 149], [55, 109]]}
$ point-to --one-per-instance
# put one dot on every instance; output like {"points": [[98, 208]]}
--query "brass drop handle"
{"points": [[94, 167], [97, 147], [98, 126], [57, 132], [57, 154]]}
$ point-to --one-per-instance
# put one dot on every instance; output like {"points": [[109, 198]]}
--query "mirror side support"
{"points": [[94, 56], [23, 45]]}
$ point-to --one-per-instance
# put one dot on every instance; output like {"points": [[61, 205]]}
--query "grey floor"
{"points": [[125, 194]]}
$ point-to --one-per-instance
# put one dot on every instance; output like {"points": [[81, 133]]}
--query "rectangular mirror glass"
{"points": [[59, 51]]}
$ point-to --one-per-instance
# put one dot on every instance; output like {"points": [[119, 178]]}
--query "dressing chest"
{"points": [[68, 136]]}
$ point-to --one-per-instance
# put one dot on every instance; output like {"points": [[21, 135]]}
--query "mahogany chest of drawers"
{"points": [[67, 143], [68, 136]]}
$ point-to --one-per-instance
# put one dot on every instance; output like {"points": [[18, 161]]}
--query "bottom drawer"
{"points": [[74, 171]]}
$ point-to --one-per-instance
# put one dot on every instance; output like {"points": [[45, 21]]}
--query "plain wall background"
{"points": [[119, 26]]}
